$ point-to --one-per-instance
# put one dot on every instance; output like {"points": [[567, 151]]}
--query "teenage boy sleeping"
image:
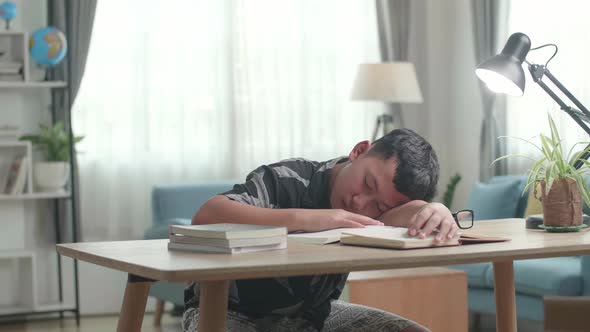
{"points": [[390, 181]]}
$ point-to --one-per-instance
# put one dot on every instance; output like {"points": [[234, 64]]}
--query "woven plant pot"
{"points": [[562, 205]]}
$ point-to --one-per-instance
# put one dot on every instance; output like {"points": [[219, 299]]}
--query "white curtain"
{"points": [[186, 91], [564, 23]]}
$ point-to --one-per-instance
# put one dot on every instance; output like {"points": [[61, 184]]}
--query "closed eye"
{"points": [[381, 210], [367, 184]]}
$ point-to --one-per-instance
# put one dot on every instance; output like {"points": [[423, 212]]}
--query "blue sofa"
{"points": [[535, 278], [176, 205]]}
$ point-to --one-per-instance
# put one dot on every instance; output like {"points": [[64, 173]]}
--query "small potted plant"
{"points": [[562, 186], [52, 174], [450, 192]]}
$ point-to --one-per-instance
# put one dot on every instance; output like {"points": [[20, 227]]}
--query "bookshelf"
{"points": [[28, 85], [21, 258]]}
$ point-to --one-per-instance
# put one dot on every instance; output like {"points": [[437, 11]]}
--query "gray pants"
{"points": [[344, 317]]}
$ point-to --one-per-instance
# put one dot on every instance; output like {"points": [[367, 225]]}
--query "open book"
{"points": [[323, 237], [398, 238]]}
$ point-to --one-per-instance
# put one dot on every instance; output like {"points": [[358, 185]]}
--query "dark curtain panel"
{"points": [[75, 19], [393, 23], [487, 15]]}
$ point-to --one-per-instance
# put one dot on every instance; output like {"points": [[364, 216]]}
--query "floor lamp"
{"points": [[389, 82]]}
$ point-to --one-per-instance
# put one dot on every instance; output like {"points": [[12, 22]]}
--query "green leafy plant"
{"points": [[53, 142], [554, 164], [450, 192]]}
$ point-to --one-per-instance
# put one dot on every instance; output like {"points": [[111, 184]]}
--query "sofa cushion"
{"points": [[476, 273], [546, 276], [169, 291], [481, 300], [182, 201], [495, 200], [522, 199]]}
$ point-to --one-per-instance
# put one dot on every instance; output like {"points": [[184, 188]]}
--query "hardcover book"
{"points": [[228, 231], [227, 243], [223, 250]]}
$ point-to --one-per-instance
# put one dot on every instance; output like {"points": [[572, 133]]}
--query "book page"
{"points": [[386, 232], [324, 237]]}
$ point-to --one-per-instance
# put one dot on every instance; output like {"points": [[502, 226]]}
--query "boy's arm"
{"points": [[401, 216], [422, 218], [221, 209]]}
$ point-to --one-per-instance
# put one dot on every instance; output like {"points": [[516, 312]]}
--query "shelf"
{"points": [[15, 310], [13, 143], [41, 195], [55, 307], [40, 84], [9, 254]]}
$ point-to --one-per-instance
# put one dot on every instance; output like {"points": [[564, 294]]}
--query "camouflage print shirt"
{"points": [[292, 183]]}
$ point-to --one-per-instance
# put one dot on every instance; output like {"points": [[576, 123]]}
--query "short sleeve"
{"points": [[260, 189], [279, 185]]}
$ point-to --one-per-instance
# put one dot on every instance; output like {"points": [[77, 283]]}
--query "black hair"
{"points": [[417, 170]]}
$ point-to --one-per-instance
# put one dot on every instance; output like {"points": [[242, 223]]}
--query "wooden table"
{"points": [[149, 260]]}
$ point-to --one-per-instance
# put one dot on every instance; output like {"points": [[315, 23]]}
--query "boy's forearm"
{"points": [[221, 209], [401, 216]]}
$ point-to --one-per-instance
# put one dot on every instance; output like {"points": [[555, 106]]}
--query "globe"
{"points": [[48, 46], [7, 12]]}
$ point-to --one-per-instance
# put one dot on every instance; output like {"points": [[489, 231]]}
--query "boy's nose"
{"points": [[359, 202]]}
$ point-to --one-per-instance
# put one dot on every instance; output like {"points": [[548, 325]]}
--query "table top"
{"points": [[151, 258]]}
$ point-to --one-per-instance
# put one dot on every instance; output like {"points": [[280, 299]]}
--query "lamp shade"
{"points": [[389, 82], [503, 73]]}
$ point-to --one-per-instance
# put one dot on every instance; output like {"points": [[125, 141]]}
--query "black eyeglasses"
{"points": [[464, 219]]}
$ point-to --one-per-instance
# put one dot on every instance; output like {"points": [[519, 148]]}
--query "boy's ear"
{"points": [[359, 149]]}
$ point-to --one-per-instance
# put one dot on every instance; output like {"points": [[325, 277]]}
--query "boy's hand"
{"points": [[321, 220], [430, 217]]}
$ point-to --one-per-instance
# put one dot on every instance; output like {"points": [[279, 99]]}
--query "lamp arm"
{"points": [[581, 115], [537, 72], [567, 92]]}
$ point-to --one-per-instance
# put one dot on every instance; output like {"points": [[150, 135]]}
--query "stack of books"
{"points": [[11, 71], [227, 238]]}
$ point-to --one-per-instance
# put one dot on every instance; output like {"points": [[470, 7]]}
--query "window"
{"points": [[183, 91]]}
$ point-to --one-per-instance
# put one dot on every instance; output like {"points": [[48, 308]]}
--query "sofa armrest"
{"points": [[585, 261]]}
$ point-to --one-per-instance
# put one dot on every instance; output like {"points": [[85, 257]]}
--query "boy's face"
{"points": [[365, 184]]}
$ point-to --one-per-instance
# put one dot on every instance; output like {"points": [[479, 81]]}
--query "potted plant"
{"points": [[52, 174], [450, 192], [562, 186]]}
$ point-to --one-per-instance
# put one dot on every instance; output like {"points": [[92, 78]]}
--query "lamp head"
{"points": [[503, 73]]}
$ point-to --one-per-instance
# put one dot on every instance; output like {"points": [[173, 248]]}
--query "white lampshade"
{"points": [[390, 81]]}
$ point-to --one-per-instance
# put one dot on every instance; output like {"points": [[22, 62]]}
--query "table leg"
{"points": [[505, 296], [213, 305], [133, 306]]}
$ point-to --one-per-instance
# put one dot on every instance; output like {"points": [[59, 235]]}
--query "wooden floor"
{"points": [[90, 324]]}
